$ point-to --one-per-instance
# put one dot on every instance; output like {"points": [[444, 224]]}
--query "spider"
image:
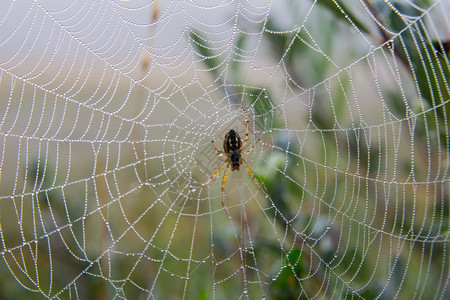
{"points": [[232, 150]]}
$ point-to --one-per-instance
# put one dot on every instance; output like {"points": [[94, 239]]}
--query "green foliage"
{"points": [[286, 285], [428, 62], [215, 58], [304, 64], [340, 11], [263, 107], [235, 60], [206, 52]]}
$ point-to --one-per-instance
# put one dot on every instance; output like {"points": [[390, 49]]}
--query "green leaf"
{"points": [[294, 259], [297, 49], [278, 41], [205, 50], [431, 71], [286, 284], [395, 103], [428, 59], [342, 12], [238, 53], [263, 106], [428, 62]]}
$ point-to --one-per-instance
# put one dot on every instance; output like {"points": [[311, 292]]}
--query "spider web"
{"points": [[107, 115]]}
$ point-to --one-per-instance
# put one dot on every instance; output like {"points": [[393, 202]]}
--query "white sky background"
{"points": [[120, 33]]}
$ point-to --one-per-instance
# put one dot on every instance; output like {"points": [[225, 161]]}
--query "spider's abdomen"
{"points": [[232, 141]]}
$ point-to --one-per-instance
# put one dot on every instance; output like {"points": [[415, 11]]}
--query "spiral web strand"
{"points": [[107, 115]]}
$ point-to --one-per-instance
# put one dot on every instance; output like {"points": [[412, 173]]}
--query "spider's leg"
{"points": [[253, 176], [250, 150], [246, 131], [213, 175], [217, 150], [224, 180]]}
